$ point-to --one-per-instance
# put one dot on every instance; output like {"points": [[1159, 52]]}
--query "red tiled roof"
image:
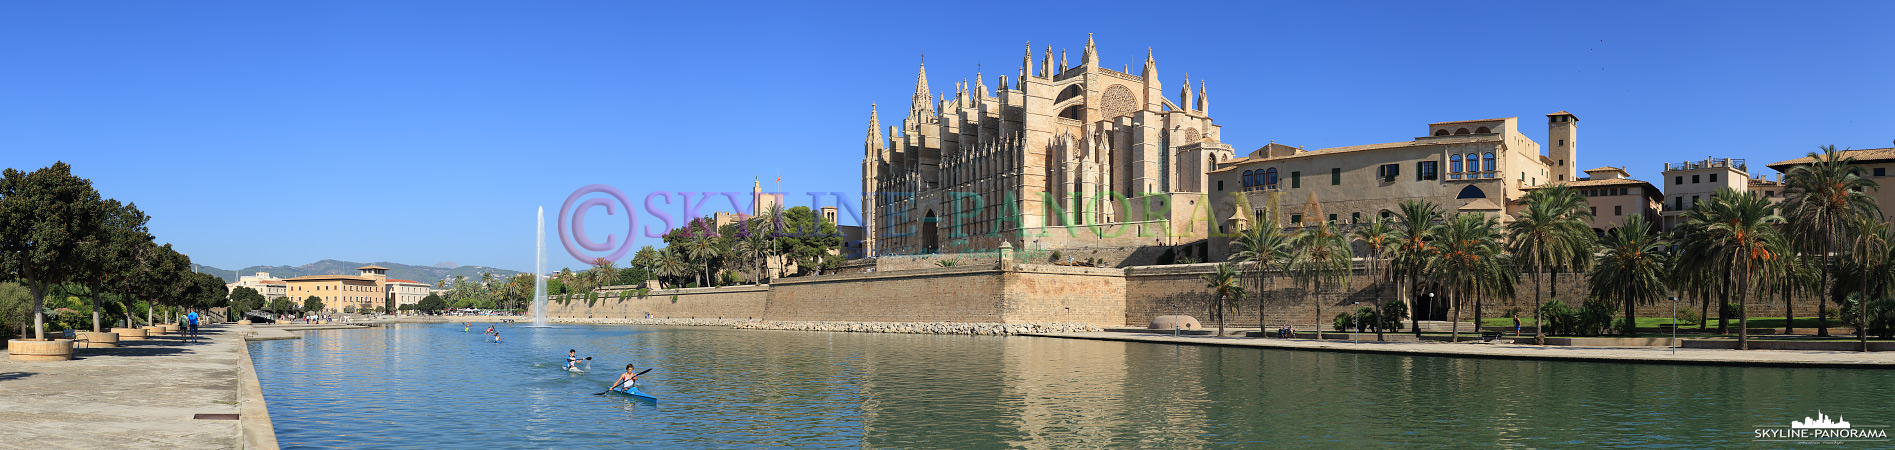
{"points": [[397, 280]]}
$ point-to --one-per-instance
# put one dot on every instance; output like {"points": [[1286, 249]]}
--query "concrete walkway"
{"points": [[1651, 355], [140, 395]]}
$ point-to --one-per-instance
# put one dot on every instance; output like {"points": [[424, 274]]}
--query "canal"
{"points": [[435, 386]]}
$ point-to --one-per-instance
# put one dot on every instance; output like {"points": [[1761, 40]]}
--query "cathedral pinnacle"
{"points": [[875, 130], [1026, 67], [1204, 100], [1091, 57], [1184, 95], [922, 96]]}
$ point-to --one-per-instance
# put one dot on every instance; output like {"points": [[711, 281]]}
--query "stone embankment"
{"points": [[985, 329]]}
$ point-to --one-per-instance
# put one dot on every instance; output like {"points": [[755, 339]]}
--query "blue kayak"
{"points": [[633, 391]]}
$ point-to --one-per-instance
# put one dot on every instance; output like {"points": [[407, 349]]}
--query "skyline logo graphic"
{"points": [[1821, 429]]}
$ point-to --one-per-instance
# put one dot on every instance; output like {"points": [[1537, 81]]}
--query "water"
{"points": [[539, 269], [433, 386]]}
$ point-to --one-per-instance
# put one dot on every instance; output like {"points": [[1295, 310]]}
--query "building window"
{"points": [[1355, 217], [1220, 185], [1388, 172], [1426, 170], [1488, 163], [1595, 210], [1881, 172], [1269, 178], [1678, 203], [1769, 193], [1296, 180], [1454, 166], [1386, 214], [1714, 178], [1247, 181], [1694, 202], [1335, 177], [1562, 142], [1296, 218], [1678, 180], [1694, 179], [1618, 210], [1332, 218]]}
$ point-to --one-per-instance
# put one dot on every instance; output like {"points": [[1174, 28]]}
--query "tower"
{"points": [[874, 155], [1562, 133]]}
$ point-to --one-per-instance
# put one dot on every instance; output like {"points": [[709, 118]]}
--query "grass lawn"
{"points": [[1808, 323]]}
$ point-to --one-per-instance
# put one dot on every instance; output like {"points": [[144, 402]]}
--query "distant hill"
{"points": [[425, 274]]}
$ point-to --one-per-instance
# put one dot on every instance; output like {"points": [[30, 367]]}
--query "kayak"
{"points": [[634, 392]]}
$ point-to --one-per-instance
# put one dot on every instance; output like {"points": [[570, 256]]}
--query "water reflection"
{"points": [[437, 387]]}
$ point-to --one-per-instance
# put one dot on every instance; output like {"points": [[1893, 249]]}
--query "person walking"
{"points": [[192, 317]]}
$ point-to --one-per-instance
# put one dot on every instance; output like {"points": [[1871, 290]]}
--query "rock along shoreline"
{"points": [[978, 329]]}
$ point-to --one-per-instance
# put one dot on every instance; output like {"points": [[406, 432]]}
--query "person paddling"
{"points": [[572, 359], [491, 331], [496, 337], [626, 380]]}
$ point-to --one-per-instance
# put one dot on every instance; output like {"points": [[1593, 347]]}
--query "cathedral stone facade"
{"points": [[1059, 156]]}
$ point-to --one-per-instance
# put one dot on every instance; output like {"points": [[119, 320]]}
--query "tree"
{"points": [[113, 250], [1321, 262], [282, 305], [1263, 243], [1379, 238], [1870, 249], [1419, 219], [1631, 268], [313, 304], [47, 216], [433, 303], [1820, 202], [807, 240], [1226, 289], [1468, 259], [243, 298], [1735, 233], [1551, 233]]}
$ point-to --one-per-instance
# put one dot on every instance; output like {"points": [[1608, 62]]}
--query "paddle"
{"points": [[640, 373]]}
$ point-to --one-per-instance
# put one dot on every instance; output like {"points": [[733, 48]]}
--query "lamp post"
{"points": [[1674, 325]]}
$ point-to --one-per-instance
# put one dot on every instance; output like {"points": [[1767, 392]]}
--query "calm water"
{"points": [[433, 386]]}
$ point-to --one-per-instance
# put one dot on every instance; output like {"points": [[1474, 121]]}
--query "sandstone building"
{"points": [[1059, 155], [1690, 182]]}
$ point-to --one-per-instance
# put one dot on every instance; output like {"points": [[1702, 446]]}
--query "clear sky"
{"points": [[422, 132]]}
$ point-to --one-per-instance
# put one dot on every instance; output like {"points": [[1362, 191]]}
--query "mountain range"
{"points": [[424, 274]]}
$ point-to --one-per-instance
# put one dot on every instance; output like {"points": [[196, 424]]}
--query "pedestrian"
{"points": [[192, 317], [1516, 325]]}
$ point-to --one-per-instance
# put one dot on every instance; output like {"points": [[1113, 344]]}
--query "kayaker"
{"points": [[490, 330], [496, 337], [572, 359], [465, 327], [626, 380]]}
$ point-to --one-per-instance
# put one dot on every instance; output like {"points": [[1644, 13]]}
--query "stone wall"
{"points": [[730, 302], [940, 294]]}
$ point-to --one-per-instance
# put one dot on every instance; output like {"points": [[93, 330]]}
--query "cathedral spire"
{"points": [[980, 86], [1026, 67], [1062, 61], [1046, 63], [1184, 95], [1151, 67], [1204, 100], [874, 142], [920, 109], [1090, 59]]}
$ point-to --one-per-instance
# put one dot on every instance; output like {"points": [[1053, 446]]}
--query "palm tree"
{"points": [[1551, 233], [1789, 278], [1378, 236], [1419, 219], [1262, 242], [672, 264], [1468, 255], [1735, 232], [1227, 287], [1321, 261], [700, 250], [1821, 200], [1631, 268], [1870, 248]]}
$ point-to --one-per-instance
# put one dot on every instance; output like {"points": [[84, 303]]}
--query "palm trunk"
{"points": [[1743, 311], [1414, 306], [1822, 298], [1704, 309], [1539, 323], [1319, 313], [1862, 325], [1789, 312], [1454, 329], [1630, 321]]}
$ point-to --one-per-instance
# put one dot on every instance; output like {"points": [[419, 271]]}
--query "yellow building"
{"points": [[337, 292]]}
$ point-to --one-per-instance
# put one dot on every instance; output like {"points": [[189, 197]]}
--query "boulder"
{"points": [[1175, 322]]}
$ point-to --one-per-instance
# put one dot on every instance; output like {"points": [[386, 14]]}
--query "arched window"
{"points": [[1487, 162], [1075, 112], [1246, 178], [1454, 164], [1461, 131], [1482, 130], [1441, 133], [1269, 177], [1069, 92], [1473, 162], [1471, 192]]}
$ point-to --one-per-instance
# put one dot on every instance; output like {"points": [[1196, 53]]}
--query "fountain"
{"points": [[539, 272]]}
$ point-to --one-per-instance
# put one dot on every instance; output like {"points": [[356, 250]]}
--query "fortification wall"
{"points": [[729, 302]]}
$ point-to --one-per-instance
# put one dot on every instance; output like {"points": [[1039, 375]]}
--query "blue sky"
{"points": [[421, 132]]}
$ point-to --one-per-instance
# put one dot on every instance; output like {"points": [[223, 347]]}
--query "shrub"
{"points": [[1392, 315], [1588, 320], [1344, 321], [947, 262], [1055, 257], [1688, 315]]}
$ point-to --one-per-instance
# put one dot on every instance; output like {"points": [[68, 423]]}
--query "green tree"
{"points": [[1631, 268], [1734, 232], [1552, 233], [16, 301], [1468, 259], [47, 215], [313, 304], [282, 305], [433, 303], [113, 250], [1227, 288], [1870, 249], [1379, 237], [807, 240], [1419, 219], [1321, 262], [1821, 200], [1261, 242]]}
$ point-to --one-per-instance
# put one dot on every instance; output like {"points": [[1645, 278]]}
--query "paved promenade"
{"points": [[1659, 355], [140, 395]]}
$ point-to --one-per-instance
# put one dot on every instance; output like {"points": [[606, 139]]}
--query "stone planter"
{"points": [[154, 330], [98, 340], [35, 350], [171, 329], [129, 334], [243, 322]]}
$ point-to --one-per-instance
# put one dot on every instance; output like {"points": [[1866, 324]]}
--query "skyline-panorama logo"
{"points": [[1822, 429]]}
